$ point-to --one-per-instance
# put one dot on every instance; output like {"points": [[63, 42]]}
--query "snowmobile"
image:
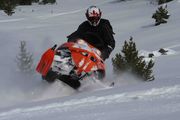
{"points": [[72, 62]]}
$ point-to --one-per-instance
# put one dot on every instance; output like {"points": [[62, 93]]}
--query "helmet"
{"points": [[93, 15]]}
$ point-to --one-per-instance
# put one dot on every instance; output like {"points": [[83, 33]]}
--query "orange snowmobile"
{"points": [[71, 62]]}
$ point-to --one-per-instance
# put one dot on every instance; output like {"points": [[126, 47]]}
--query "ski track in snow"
{"points": [[59, 14], [41, 17], [148, 95], [66, 13], [12, 20], [174, 46], [50, 15]]}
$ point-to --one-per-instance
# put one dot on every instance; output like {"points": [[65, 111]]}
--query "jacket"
{"points": [[103, 30]]}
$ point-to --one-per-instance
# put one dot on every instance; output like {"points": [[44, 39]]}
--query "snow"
{"points": [[26, 97]]}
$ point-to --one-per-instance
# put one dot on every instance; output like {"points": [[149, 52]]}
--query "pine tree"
{"points": [[35, 1], [24, 59], [1, 4], [25, 2], [130, 61], [161, 15], [8, 6], [48, 1], [148, 71], [163, 1]]}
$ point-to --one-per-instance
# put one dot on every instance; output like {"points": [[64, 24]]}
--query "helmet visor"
{"points": [[94, 20]]}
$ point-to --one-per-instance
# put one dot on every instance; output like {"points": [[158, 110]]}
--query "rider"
{"points": [[99, 27]]}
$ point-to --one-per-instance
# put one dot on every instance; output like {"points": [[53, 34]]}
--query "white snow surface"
{"points": [[26, 97]]}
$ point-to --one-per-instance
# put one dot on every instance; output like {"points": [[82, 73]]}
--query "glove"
{"points": [[106, 52]]}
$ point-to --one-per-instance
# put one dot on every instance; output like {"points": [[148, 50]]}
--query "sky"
{"points": [[27, 97]]}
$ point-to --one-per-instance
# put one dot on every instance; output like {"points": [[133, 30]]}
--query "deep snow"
{"points": [[28, 97]]}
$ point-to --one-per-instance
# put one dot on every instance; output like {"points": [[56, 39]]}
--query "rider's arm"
{"points": [[110, 42], [72, 37]]}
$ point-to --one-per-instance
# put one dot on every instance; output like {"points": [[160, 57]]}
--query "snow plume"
{"points": [[126, 78], [20, 89], [56, 90], [27, 88], [92, 84], [122, 79]]}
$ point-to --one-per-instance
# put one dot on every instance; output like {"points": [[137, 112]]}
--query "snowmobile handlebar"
{"points": [[54, 47]]}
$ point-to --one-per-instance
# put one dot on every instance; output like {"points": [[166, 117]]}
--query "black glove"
{"points": [[106, 52]]}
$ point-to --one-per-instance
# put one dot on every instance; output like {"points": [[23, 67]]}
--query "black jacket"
{"points": [[104, 31]]}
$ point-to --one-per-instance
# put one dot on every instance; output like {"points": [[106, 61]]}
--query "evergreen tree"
{"points": [[161, 15], [25, 2], [163, 1], [48, 1], [1, 4], [7, 6], [130, 61], [24, 59], [35, 1]]}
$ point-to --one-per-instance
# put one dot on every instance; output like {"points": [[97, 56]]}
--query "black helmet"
{"points": [[93, 15]]}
